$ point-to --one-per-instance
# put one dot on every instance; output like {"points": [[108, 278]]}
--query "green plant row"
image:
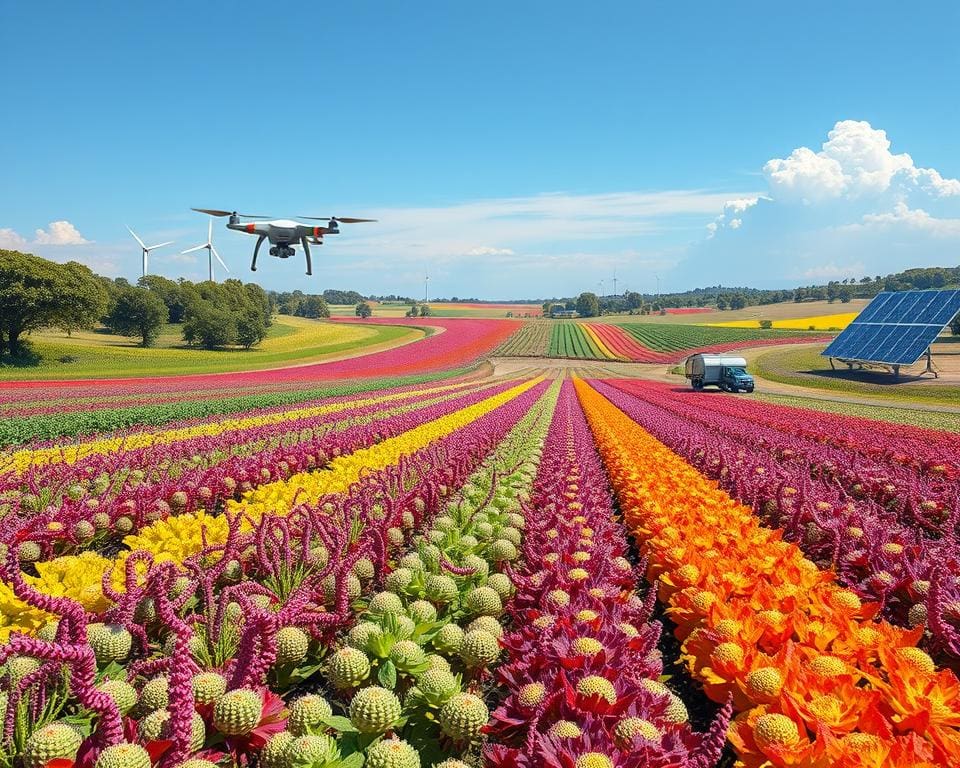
{"points": [[672, 338], [48, 426]]}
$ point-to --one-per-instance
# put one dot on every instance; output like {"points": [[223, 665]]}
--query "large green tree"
{"points": [[36, 293], [588, 305], [138, 312], [170, 293]]}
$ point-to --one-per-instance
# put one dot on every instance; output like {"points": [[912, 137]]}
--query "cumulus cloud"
{"points": [[60, 233], [849, 208], [57, 233], [11, 239]]}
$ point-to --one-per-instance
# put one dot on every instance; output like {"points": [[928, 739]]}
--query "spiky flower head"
{"points": [[411, 561], [594, 685], [208, 687], [775, 730], [483, 601], [110, 642], [593, 760], [565, 729], [502, 550], [435, 661], [363, 569], [392, 753], [438, 685], [237, 712], [399, 579], [488, 624], [917, 659], [449, 639], [407, 655], [586, 646], [463, 716], [306, 713], [386, 602], [501, 584], [274, 752], [827, 666], [477, 564], [123, 694], [531, 694], [764, 682], [630, 728], [374, 709], [479, 648], [18, 667], [348, 668], [292, 645], [422, 612], [155, 693], [123, 756], [54, 740], [312, 750], [558, 598], [440, 589]]}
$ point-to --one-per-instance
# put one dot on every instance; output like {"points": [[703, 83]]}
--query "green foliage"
{"points": [[138, 312], [37, 293], [170, 293], [363, 310], [588, 305], [425, 310], [210, 327], [766, 324]]}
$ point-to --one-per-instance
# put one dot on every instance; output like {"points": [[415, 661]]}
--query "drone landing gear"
{"points": [[256, 251], [306, 252]]}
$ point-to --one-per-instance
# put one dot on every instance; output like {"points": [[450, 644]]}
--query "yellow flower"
{"points": [[18, 616], [75, 576]]}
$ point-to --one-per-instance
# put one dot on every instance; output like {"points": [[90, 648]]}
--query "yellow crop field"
{"points": [[817, 323]]}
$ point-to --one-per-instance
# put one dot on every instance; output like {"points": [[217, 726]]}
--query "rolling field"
{"points": [[392, 547], [290, 340], [266, 564], [445, 309], [635, 342]]}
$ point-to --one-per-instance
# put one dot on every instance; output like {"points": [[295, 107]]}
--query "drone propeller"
{"points": [[212, 212], [341, 220]]}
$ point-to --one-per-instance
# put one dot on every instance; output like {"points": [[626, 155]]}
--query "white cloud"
{"points": [[60, 233], [851, 208], [485, 250], [912, 218], [11, 239], [855, 161]]}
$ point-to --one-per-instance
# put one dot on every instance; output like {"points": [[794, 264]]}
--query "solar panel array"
{"points": [[896, 327]]}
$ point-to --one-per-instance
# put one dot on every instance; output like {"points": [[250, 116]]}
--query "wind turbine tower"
{"points": [[146, 248], [426, 283], [211, 251]]}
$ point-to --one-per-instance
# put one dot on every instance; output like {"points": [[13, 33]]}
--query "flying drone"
{"points": [[283, 234]]}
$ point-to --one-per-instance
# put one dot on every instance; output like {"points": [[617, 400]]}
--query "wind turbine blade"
{"points": [[135, 236], [160, 245], [222, 262], [195, 248]]}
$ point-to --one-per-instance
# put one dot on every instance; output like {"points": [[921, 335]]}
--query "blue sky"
{"points": [[511, 149]]}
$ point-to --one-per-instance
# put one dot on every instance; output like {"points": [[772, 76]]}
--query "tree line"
{"points": [[36, 293]]}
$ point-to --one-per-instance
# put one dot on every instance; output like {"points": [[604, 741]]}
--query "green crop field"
{"points": [[569, 339], [532, 339], [672, 338], [289, 340]]}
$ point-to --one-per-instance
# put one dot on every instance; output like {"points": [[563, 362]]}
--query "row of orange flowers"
{"points": [[816, 680]]}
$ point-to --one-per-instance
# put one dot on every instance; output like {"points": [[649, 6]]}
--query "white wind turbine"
{"points": [[146, 248], [211, 251]]}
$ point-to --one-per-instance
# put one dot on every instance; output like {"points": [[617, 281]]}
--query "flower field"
{"points": [[637, 342], [449, 570]]}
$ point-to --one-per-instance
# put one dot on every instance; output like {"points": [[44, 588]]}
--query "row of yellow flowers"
{"points": [[601, 345], [817, 681], [176, 538], [26, 458], [344, 471]]}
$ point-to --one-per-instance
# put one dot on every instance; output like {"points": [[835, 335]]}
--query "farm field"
{"points": [[814, 323], [636, 342], [750, 316], [372, 566], [290, 340], [445, 309]]}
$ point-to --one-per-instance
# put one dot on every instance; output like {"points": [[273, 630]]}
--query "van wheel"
{"points": [[749, 390]]}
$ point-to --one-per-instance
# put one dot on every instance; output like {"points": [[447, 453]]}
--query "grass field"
{"points": [[671, 338], [290, 340], [441, 309], [805, 367], [787, 310]]}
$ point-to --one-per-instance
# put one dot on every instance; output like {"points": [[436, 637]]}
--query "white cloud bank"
{"points": [[851, 208], [57, 233]]}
